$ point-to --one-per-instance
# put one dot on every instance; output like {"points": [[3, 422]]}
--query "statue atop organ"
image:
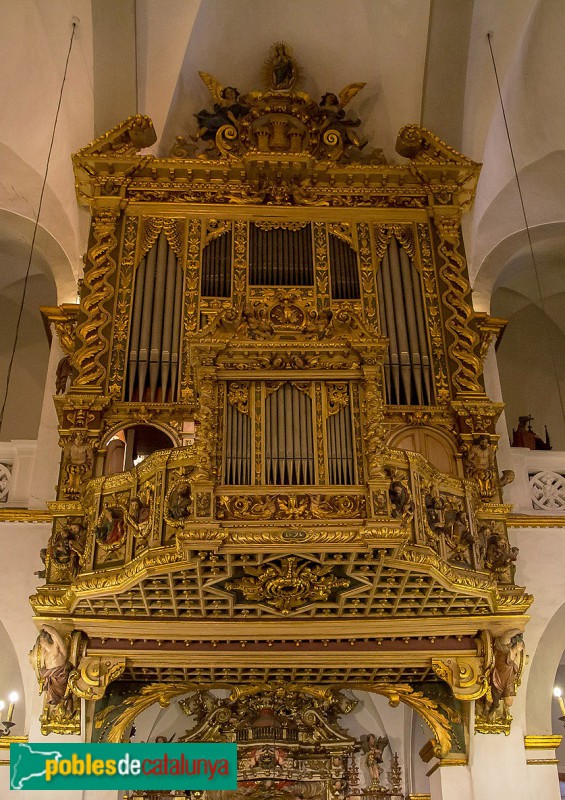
{"points": [[277, 446]]}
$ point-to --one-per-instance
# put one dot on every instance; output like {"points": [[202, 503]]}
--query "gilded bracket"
{"points": [[465, 676], [93, 675]]}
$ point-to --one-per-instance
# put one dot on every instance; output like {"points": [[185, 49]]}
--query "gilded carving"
{"points": [[122, 308], [465, 675], [374, 431], [53, 658], [455, 297], [321, 262], [93, 675], [238, 396], [289, 583], [435, 324], [91, 330], [369, 292], [299, 506], [505, 657]]}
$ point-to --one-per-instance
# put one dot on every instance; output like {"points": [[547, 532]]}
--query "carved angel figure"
{"points": [[333, 114], [228, 108], [374, 748]]}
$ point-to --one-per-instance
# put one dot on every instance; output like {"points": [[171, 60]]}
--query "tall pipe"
{"points": [[157, 316], [422, 335], [145, 336], [410, 317], [393, 343], [176, 333], [399, 318], [137, 312], [384, 330], [168, 322]]}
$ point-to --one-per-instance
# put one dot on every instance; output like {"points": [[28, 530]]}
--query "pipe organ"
{"points": [[284, 306]]}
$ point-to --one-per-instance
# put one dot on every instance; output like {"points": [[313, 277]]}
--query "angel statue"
{"points": [[332, 110], [373, 747], [228, 108]]}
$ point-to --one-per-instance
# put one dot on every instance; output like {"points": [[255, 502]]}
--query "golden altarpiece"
{"points": [[278, 483]]}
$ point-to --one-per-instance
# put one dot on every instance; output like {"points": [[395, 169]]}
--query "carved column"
{"points": [[466, 366], [97, 291]]}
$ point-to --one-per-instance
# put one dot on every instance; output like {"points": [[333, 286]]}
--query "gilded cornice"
{"points": [[534, 521], [548, 741], [25, 515]]}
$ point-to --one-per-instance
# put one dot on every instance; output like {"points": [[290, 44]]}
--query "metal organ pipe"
{"points": [[410, 316], [393, 343], [137, 310], [289, 448], [177, 308], [400, 320], [407, 367], [155, 327], [157, 316], [144, 340], [168, 322]]}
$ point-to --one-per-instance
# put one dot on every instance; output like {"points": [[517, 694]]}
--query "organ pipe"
{"points": [[344, 271], [155, 326], [280, 256], [407, 365], [339, 434], [217, 266], [238, 447], [289, 444]]}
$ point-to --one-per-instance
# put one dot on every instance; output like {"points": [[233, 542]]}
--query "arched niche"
{"points": [[530, 354], [31, 357], [126, 447], [11, 680], [434, 445]]}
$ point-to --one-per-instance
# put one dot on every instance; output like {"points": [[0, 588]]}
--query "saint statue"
{"points": [[480, 465]]}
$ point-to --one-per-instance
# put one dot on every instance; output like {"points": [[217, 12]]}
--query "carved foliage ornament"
{"points": [[288, 583]]}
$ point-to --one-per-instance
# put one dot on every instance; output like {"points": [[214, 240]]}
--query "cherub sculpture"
{"points": [[333, 114], [228, 108]]}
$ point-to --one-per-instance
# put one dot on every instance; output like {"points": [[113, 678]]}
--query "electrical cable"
{"points": [[36, 225], [528, 232]]}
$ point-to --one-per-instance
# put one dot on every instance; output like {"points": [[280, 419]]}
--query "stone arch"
{"points": [[541, 675], [11, 677]]}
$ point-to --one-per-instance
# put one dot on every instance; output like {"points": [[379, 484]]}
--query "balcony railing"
{"points": [[539, 485]]}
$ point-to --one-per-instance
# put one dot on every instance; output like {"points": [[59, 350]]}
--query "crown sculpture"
{"points": [[278, 472]]}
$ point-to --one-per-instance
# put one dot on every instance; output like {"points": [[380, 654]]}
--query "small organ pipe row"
{"points": [[407, 364], [343, 270], [280, 257], [238, 447], [340, 448], [155, 326], [216, 267], [289, 442]]}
